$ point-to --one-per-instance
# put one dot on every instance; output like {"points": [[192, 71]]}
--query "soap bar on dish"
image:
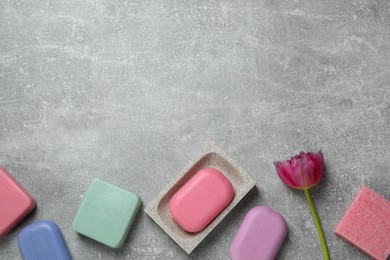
{"points": [[260, 235], [201, 199], [15, 202], [43, 240], [106, 213], [366, 224]]}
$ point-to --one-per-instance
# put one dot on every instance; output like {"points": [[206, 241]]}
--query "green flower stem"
{"points": [[320, 232]]}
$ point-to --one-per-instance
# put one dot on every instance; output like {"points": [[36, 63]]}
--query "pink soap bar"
{"points": [[201, 199], [260, 235], [366, 224], [15, 202]]}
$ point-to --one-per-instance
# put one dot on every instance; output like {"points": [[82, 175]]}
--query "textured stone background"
{"points": [[130, 91]]}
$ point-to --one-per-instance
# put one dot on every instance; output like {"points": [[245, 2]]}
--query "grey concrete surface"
{"points": [[130, 91]]}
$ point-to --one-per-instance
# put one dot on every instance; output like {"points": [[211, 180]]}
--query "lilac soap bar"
{"points": [[260, 235]]}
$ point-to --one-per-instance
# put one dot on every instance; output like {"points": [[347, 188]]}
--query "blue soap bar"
{"points": [[43, 240]]}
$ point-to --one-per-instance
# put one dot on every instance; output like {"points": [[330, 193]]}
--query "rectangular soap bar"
{"points": [[260, 235], [106, 213], [366, 224], [201, 199], [43, 240], [15, 202]]}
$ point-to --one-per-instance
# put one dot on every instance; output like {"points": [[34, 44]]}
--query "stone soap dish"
{"points": [[211, 156]]}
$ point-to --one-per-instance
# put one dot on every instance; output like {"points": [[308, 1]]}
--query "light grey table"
{"points": [[130, 91]]}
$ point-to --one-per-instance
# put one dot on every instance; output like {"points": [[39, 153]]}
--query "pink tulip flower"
{"points": [[303, 171]]}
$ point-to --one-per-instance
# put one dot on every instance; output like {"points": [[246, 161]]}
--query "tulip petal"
{"points": [[289, 170], [301, 174], [283, 173]]}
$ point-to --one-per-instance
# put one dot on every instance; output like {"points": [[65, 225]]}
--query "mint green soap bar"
{"points": [[106, 213]]}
